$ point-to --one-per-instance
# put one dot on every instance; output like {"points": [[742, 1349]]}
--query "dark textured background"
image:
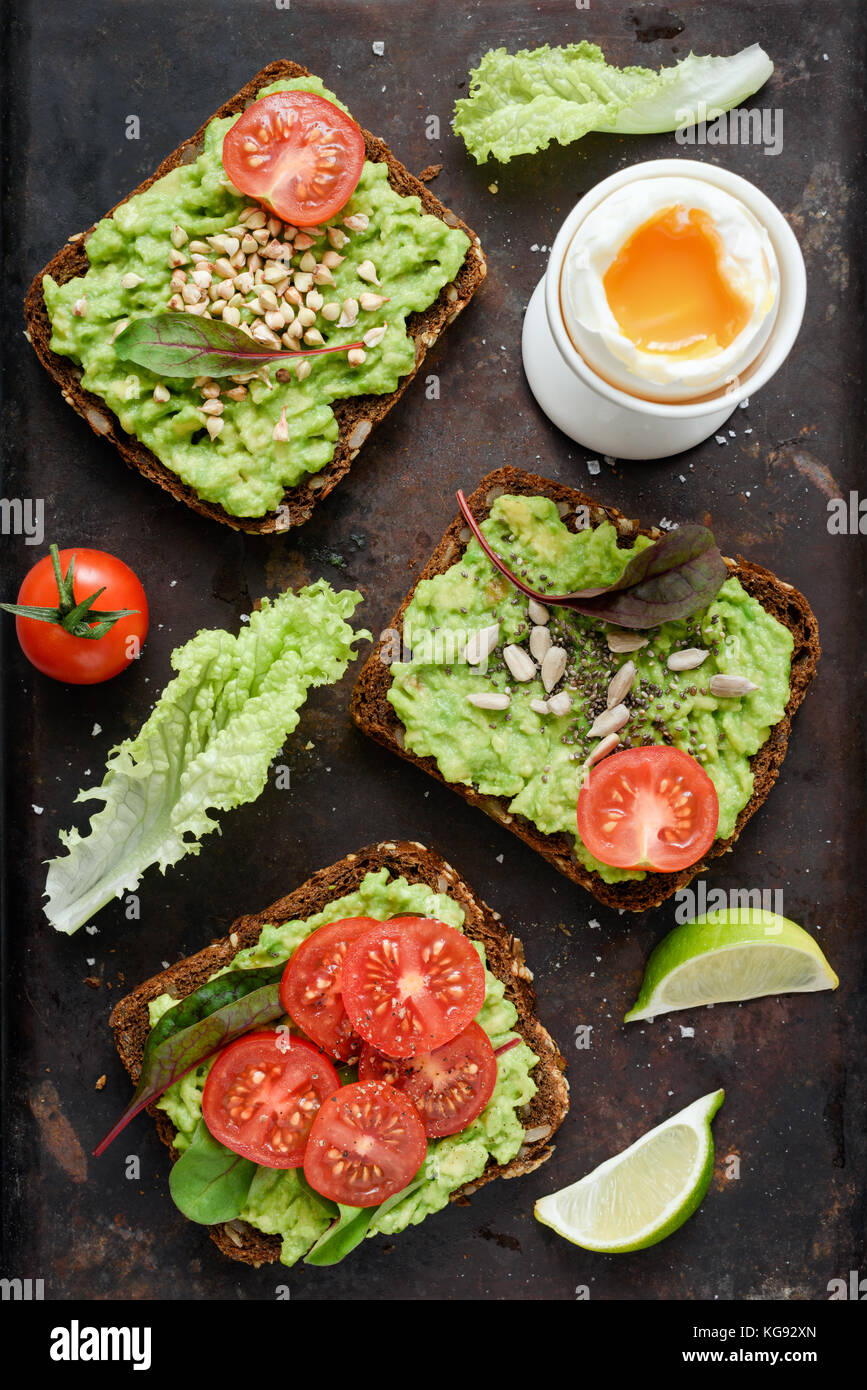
{"points": [[792, 1067]]}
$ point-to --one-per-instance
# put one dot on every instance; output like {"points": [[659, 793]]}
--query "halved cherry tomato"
{"points": [[263, 1094], [648, 808], [297, 153], [367, 1142], [59, 653], [310, 988], [412, 984], [448, 1087]]}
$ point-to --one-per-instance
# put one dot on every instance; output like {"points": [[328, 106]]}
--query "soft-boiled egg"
{"points": [[670, 288]]}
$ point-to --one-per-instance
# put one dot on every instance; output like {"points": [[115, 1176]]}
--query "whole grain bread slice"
{"points": [[356, 416], [505, 957], [374, 715]]}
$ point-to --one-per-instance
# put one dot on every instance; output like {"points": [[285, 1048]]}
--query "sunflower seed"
{"points": [[519, 662], [602, 749], [623, 641], [553, 667], [609, 722], [492, 701], [687, 659], [481, 644], [538, 612], [540, 642], [730, 686], [539, 707], [560, 703], [621, 684]]}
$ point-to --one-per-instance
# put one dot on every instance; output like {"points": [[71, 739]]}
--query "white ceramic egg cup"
{"points": [[613, 422]]}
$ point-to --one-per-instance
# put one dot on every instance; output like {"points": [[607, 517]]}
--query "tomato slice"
{"points": [[310, 988], [648, 808], [263, 1094], [297, 153], [412, 984], [367, 1142], [448, 1087]]}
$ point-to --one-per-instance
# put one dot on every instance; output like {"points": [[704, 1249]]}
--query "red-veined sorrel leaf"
{"points": [[677, 575], [178, 345]]}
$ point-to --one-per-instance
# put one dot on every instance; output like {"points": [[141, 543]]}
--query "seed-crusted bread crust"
{"points": [[356, 416], [131, 1024], [374, 715]]}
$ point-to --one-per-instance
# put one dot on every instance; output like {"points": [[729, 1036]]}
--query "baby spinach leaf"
{"points": [[183, 1050], [677, 575], [209, 1183], [352, 1225], [180, 345]]}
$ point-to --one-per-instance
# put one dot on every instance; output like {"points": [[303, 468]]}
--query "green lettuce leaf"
{"points": [[207, 746], [520, 102]]}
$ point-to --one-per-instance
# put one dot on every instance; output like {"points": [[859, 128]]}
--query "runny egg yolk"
{"points": [[667, 290]]}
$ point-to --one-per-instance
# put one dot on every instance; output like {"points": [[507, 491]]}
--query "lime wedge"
{"points": [[644, 1193], [726, 957]]}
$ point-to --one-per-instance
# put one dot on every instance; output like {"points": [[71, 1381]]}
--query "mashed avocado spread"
{"points": [[245, 468], [277, 1203], [535, 760]]}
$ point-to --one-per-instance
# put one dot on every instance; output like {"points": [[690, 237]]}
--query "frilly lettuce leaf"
{"points": [[206, 746], [520, 102]]}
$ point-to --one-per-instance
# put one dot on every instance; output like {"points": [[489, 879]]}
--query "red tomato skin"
{"points": [[81, 660], [378, 1028], [313, 110], [335, 1036], [646, 767], [409, 1076], [399, 1166], [322, 1070]]}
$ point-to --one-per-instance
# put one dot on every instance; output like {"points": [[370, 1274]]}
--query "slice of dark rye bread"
{"points": [[505, 956], [356, 416], [373, 714]]}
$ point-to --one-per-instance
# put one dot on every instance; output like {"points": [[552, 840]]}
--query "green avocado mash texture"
{"points": [[535, 760], [245, 469], [277, 1203]]}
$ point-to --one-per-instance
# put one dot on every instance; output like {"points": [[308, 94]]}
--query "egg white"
{"points": [[749, 263]]}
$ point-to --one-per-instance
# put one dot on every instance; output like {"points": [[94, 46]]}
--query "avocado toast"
{"points": [[782, 613], [434, 264], [388, 876]]}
